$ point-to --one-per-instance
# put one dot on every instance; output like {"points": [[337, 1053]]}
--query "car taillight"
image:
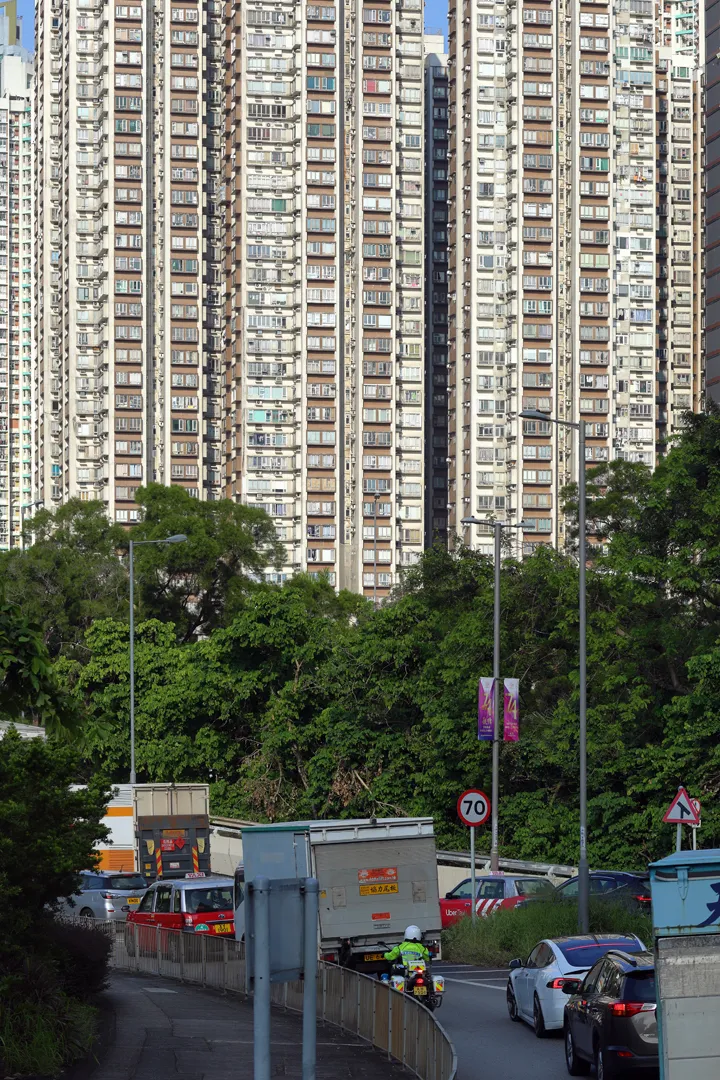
{"points": [[557, 984], [643, 899], [107, 895], [631, 1008]]}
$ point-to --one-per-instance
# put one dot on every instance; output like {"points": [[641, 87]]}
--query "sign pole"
{"points": [[473, 911], [678, 838], [694, 832]]}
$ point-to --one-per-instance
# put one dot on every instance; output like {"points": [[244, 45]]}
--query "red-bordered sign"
{"points": [[473, 807]]}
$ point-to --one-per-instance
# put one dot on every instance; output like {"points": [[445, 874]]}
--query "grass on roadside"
{"points": [[39, 1038], [510, 933]]}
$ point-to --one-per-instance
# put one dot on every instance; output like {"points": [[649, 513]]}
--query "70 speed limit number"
{"points": [[473, 807]]}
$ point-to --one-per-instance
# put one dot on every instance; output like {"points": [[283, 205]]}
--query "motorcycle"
{"points": [[416, 979]]}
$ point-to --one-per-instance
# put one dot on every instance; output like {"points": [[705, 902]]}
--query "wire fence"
{"points": [[362, 1006]]}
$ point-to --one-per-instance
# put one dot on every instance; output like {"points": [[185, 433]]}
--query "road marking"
{"points": [[469, 982], [158, 990]]}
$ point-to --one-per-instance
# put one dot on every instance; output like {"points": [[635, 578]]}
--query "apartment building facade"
{"points": [[436, 287], [712, 200], [16, 280], [230, 279], [130, 317], [575, 245], [324, 263]]}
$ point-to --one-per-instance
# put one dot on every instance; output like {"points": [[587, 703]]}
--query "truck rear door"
{"points": [[373, 889], [173, 846]]}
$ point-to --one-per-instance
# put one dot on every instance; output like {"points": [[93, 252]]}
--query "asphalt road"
{"points": [[489, 1046]]}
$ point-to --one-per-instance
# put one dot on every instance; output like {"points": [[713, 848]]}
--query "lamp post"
{"points": [[497, 527], [583, 871], [179, 538], [23, 508]]}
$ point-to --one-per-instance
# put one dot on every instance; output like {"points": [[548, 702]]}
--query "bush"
{"points": [[41, 1037], [514, 932], [82, 954], [42, 1027]]}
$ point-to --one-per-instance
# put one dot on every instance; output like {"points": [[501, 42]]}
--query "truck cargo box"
{"points": [[376, 877]]}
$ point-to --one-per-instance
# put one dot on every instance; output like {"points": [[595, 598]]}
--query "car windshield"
{"points": [[583, 954], [640, 987], [198, 901], [127, 882], [534, 887]]}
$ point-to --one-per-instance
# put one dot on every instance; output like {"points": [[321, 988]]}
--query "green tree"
{"points": [[47, 828], [70, 575], [29, 689], [199, 584]]}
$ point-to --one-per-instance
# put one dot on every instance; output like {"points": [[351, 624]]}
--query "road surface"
{"points": [[489, 1046]]}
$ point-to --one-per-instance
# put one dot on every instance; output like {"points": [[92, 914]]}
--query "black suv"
{"points": [[618, 885], [611, 1017]]}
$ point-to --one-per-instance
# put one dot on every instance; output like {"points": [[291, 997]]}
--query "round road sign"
{"points": [[473, 807]]}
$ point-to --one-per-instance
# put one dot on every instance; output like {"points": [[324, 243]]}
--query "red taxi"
{"points": [[196, 904], [493, 891]]}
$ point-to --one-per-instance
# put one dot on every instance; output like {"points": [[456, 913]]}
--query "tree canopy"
{"points": [[47, 828], [296, 701]]}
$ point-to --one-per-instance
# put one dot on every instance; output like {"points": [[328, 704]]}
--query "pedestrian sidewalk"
{"points": [[167, 1029]]}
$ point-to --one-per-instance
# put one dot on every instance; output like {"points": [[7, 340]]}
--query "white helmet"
{"points": [[413, 933]]}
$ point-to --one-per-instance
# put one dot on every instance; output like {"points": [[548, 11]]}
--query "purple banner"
{"points": [[511, 714], [486, 709]]}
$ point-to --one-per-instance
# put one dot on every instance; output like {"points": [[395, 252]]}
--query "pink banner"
{"points": [[511, 714], [486, 709]]}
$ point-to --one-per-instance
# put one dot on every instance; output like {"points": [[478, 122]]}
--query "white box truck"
{"points": [[376, 876], [162, 830]]}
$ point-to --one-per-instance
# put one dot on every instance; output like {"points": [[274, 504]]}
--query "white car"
{"points": [[534, 989]]}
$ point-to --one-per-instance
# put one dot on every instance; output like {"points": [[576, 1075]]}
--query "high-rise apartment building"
{"points": [[230, 274], [575, 244], [130, 287], [712, 199], [324, 263], [16, 279], [436, 287]]}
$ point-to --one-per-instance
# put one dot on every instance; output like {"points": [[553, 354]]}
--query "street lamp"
{"points": [[583, 872], [497, 527], [179, 538], [23, 508]]}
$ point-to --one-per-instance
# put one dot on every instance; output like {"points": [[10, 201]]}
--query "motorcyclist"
{"points": [[410, 950]]}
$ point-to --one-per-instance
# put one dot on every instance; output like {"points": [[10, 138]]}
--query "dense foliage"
{"points": [[48, 827], [294, 701]]}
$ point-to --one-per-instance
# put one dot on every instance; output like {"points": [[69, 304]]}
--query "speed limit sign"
{"points": [[473, 807]]}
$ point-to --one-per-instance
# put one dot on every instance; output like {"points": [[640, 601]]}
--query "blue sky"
{"points": [[435, 15], [26, 10]]}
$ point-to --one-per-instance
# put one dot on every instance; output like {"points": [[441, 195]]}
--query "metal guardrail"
{"points": [[518, 866], [393, 1023]]}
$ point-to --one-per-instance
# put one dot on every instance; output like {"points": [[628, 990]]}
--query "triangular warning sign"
{"points": [[681, 810]]}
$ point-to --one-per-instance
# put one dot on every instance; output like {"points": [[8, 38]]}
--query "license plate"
{"points": [[420, 991], [374, 956], [375, 890], [222, 928], [133, 900]]}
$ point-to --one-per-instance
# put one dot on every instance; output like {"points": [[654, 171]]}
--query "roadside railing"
{"points": [[362, 1006]]}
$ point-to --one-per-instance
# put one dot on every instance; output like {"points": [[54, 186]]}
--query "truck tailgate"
{"points": [[374, 889]]}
